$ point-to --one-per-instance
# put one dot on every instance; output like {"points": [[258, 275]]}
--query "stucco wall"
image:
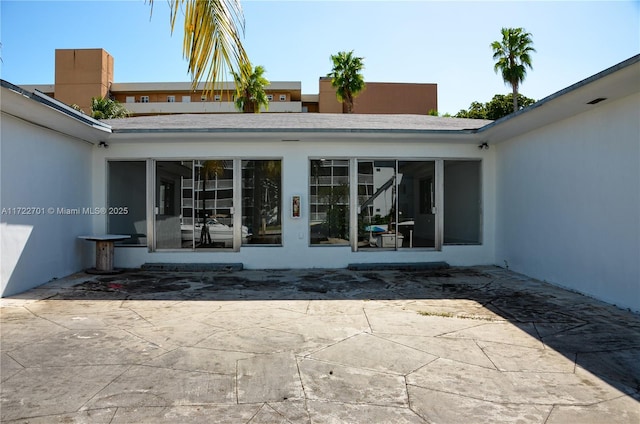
{"points": [[42, 169], [296, 251], [568, 203]]}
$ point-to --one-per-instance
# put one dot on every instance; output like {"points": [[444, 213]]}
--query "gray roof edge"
{"points": [[294, 130], [42, 98], [613, 69]]}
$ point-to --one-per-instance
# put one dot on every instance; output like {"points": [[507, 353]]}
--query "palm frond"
{"points": [[212, 38]]}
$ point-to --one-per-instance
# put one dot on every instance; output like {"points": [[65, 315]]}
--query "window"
{"points": [[186, 99], [203, 98], [217, 98], [130, 99], [144, 99], [171, 99], [462, 202], [262, 201], [126, 199], [270, 97], [329, 202], [195, 204], [283, 97]]}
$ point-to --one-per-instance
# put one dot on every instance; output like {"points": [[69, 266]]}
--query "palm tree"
{"points": [[512, 57], [346, 78], [106, 108], [212, 38], [250, 95], [210, 168]]}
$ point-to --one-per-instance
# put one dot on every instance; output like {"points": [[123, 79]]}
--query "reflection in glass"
{"points": [[329, 202], [194, 204], [213, 194], [262, 202], [396, 202], [170, 231], [377, 204]]}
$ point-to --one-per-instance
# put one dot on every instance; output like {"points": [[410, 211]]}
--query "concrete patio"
{"points": [[461, 345]]}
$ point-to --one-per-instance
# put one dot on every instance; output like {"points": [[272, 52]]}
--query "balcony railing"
{"points": [[204, 107]]}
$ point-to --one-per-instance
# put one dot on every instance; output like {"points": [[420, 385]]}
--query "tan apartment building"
{"points": [[81, 74], [383, 97]]}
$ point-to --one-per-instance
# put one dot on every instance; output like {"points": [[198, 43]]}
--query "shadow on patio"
{"points": [[599, 337]]}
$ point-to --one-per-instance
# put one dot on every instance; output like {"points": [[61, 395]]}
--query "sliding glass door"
{"points": [[396, 204], [194, 204]]}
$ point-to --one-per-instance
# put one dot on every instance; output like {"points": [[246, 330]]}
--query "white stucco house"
{"points": [[552, 191]]}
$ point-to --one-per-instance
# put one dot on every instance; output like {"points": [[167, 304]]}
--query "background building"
{"points": [[81, 74]]}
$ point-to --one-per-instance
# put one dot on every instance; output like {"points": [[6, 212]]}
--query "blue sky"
{"points": [[402, 41]]}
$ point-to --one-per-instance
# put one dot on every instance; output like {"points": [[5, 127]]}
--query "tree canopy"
{"points": [[106, 108], [500, 105], [250, 94], [346, 78], [513, 56]]}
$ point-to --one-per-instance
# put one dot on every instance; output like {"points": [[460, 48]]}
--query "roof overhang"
{"points": [[44, 111], [270, 135], [607, 86]]}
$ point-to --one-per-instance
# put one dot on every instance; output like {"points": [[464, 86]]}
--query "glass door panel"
{"points": [[377, 207], [416, 204], [261, 202], [194, 204], [213, 206], [171, 229]]}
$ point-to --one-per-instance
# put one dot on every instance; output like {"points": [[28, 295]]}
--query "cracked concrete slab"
{"points": [[196, 414], [479, 344], [151, 386], [333, 382], [442, 407], [340, 413], [367, 351], [535, 388], [37, 391], [268, 378]]}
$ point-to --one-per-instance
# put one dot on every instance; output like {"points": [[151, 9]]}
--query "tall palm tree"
{"points": [[512, 56], [212, 38], [346, 78], [210, 168], [250, 95]]}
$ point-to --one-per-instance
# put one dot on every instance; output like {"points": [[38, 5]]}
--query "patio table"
{"points": [[104, 252]]}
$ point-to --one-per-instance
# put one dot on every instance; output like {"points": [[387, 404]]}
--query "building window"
{"points": [[217, 98], [329, 202], [203, 98], [186, 99], [171, 99], [194, 206], [283, 97], [462, 202], [144, 99], [130, 99], [126, 198], [262, 201], [270, 97]]}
